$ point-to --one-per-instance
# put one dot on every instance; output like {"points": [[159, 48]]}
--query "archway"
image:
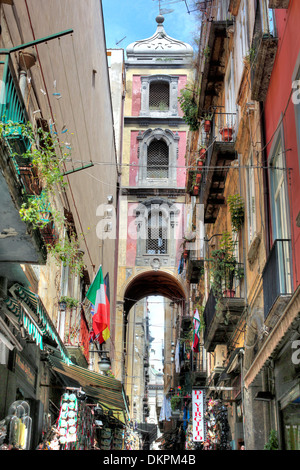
{"points": [[141, 376], [153, 283]]}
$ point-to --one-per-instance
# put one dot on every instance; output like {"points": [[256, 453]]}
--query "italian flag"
{"points": [[98, 295], [197, 325]]}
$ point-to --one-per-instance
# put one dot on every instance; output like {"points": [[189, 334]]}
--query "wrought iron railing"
{"points": [[12, 109], [223, 127], [277, 273], [231, 288], [223, 130]]}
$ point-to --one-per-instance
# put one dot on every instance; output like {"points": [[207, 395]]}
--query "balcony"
{"points": [[77, 335], [19, 244], [264, 48], [195, 264], [280, 4], [277, 281], [198, 368], [219, 156], [214, 67], [221, 320]]}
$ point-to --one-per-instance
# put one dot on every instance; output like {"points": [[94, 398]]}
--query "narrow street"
{"points": [[150, 228]]}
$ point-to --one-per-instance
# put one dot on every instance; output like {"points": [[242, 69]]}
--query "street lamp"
{"points": [[104, 363]]}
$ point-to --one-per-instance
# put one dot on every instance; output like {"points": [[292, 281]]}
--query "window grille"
{"points": [[157, 242], [159, 96], [158, 160]]}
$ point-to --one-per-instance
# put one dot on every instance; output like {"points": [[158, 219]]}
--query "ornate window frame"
{"points": [[173, 97], [170, 212], [144, 140]]}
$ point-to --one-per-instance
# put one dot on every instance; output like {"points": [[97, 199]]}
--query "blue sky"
{"points": [[135, 19]]}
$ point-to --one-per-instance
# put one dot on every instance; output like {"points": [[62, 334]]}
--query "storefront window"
{"points": [[291, 423]]}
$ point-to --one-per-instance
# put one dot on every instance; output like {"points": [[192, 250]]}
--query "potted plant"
{"points": [[224, 268], [237, 211], [198, 178], [196, 190], [272, 443], [207, 122], [68, 302], [202, 153], [226, 133], [175, 403], [188, 101]]}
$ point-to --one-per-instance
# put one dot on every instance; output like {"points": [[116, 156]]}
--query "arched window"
{"points": [[158, 159], [157, 236], [159, 96]]}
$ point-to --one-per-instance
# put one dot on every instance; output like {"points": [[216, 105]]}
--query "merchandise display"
{"points": [[15, 429]]}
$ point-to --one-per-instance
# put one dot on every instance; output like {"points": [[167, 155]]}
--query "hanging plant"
{"points": [[70, 302], [188, 103], [237, 211], [175, 403], [224, 267], [68, 253]]}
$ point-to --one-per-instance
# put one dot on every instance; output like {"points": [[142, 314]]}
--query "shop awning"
{"points": [[38, 325], [106, 390]]}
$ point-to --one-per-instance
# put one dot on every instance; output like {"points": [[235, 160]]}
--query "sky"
{"points": [[135, 20]]}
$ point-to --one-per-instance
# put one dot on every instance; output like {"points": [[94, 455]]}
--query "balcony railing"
{"points": [[223, 127], [284, 4], [220, 143], [221, 324], [12, 108], [264, 47], [213, 72], [277, 274]]}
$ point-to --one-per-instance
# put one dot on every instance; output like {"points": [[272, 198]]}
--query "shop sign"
{"points": [[198, 398], [26, 370]]}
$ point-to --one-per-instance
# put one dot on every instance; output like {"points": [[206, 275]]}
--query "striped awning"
{"points": [[40, 325], [106, 390]]}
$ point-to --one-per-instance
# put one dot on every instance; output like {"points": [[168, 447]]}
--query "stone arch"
{"points": [[152, 282]]}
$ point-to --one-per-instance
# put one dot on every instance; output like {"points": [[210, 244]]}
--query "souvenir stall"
{"points": [[132, 438], [110, 431], [217, 427], [75, 424], [16, 428]]}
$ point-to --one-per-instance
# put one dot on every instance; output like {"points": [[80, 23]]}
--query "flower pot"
{"points": [[202, 154], [229, 293], [207, 126], [195, 190], [226, 133], [185, 254], [198, 178], [200, 163]]}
